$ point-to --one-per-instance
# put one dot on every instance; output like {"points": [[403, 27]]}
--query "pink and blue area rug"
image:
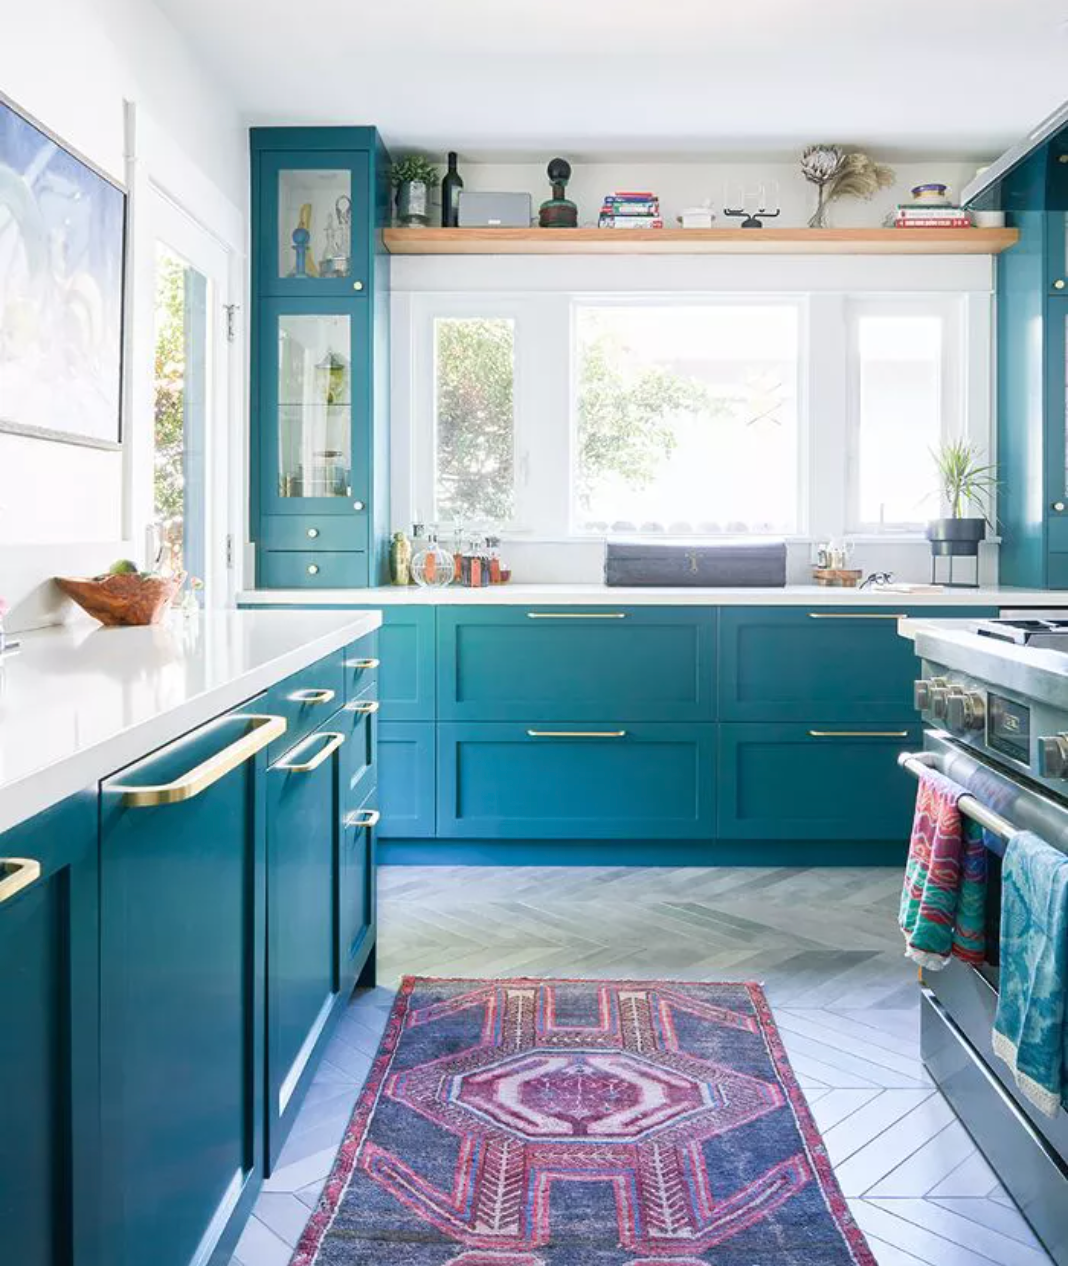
{"points": [[581, 1123]]}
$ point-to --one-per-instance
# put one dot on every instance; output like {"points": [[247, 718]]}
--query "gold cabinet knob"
{"points": [[1058, 506], [357, 285], [313, 533], [313, 569], [358, 505], [1059, 284]]}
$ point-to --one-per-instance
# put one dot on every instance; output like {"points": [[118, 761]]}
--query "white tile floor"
{"points": [[825, 944]]}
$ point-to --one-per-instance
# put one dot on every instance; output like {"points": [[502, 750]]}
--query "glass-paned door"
{"points": [[315, 220], [190, 497], [316, 398]]}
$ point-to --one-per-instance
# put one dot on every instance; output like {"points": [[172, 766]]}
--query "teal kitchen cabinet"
{"points": [[790, 664], [357, 917], [813, 783], [49, 1059], [182, 935], [577, 781], [407, 779], [576, 664], [319, 357]]}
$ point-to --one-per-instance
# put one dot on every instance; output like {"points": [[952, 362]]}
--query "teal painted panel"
{"points": [[357, 915], [790, 664], [293, 570], [49, 1064], [350, 177], [1058, 571], [182, 973], [305, 811], [407, 779], [305, 699], [361, 671], [575, 664], [784, 782], [653, 781], [314, 533]]}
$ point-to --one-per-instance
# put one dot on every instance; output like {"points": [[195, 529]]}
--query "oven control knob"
{"points": [[966, 710], [921, 695], [940, 697], [1053, 756]]}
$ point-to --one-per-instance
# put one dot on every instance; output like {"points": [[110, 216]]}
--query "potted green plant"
{"points": [[965, 482], [413, 179]]}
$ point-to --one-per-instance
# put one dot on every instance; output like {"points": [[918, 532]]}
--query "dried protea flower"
{"points": [[819, 163]]}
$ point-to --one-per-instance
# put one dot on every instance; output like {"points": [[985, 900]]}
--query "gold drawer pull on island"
{"points": [[17, 873], [363, 664], [363, 818], [265, 730], [333, 742], [311, 696], [367, 707]]}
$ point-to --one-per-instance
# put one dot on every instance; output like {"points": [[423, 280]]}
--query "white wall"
{"points": [[73, 64]]}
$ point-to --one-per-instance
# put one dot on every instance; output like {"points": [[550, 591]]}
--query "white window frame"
{"points": [[545, 398], [964, 412]]}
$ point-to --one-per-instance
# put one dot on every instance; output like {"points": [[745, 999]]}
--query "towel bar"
{"points": [[917, 762]]}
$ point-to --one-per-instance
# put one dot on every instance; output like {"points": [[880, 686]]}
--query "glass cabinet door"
{"points": [[315, 223], [315, 408]]}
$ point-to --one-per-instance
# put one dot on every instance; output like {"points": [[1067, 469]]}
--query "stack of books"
{"points": [[630, 210], [928, 215]]}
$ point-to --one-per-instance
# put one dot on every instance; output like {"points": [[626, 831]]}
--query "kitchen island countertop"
{"points": [[79, 702]]}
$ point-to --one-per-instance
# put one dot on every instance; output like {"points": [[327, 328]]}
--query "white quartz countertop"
{"points": [[79, 702], [602, 595]]}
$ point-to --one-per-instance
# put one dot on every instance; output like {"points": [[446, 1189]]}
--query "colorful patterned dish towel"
{"points": [[943, 903], [1029, 1028]]}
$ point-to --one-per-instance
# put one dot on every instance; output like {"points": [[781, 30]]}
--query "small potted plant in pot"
{"points": [[965, 483], [413, 178]]}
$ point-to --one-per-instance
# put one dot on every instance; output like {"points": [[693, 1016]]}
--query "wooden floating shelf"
{"points": [[770, 241]]}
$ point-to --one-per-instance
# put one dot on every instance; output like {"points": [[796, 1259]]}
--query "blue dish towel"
{"points": [[1030, 1032]]}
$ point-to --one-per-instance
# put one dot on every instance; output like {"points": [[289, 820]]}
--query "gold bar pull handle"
{"points": [[363, 664], [363, 818], [333, 742], [265, 729], [857, 615], [858, 734], [583, 734], [311, 696], [576, 615], [366, 706], [17, 873]]}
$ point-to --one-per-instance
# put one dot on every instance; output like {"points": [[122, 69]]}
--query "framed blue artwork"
{"points": [[62, 254]]}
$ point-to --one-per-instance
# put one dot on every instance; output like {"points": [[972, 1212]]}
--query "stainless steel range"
{"points": [[994, 697]]}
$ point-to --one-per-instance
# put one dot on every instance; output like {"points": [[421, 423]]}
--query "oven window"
{"points": [[1009, 728]]}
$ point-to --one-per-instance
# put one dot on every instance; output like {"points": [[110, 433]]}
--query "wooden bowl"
{"points": [[123, 599]]}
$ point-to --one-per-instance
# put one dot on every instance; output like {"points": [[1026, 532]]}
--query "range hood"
{"points": [[1026, 177]]}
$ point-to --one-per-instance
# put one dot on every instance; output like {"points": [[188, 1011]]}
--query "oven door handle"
{"points": [[919, 763]]}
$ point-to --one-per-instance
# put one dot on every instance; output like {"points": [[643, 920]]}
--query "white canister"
{"points": [[988, 219], [696, 218]]}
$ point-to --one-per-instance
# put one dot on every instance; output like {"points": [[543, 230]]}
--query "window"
{"points": [[686, 419], [903, 406], [474, 378]]}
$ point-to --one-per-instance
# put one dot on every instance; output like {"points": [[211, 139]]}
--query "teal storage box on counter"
{"points": [[723, 564]]}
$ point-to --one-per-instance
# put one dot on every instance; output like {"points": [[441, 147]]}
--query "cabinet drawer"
{"points": [[360, 661], [281, 570], [314, 532], [305, 700], [801, 782], [604, 781], [359, 720], [407, 782], [356, 890], [825, 665], [576, 664]]}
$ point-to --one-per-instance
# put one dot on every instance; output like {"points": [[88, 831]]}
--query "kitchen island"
{"points": [[187, 898]]}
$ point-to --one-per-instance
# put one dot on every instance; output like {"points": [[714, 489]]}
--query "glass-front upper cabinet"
{"points": [[315, 448], [314, 221]]}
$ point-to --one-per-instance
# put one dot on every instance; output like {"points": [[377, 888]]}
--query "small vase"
{"points": [[819, 216], [413, 204]]}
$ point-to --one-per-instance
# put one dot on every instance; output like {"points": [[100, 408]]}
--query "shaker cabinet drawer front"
{"points": [[576, 664], [361, 662], [407, 779], [312, 569], [833, 665], [313, 532], [356, 889], [406, 683], [305, 700], [818, 782], [576, 781]]}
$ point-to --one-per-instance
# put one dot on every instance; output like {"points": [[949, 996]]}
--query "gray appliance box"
{"points": [[494, 210], [711, 564]]}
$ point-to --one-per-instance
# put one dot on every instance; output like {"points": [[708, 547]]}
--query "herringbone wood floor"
{"points": [[825, 944]]}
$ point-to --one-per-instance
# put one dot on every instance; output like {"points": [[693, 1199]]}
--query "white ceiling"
{"points": [[493, 78]]}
